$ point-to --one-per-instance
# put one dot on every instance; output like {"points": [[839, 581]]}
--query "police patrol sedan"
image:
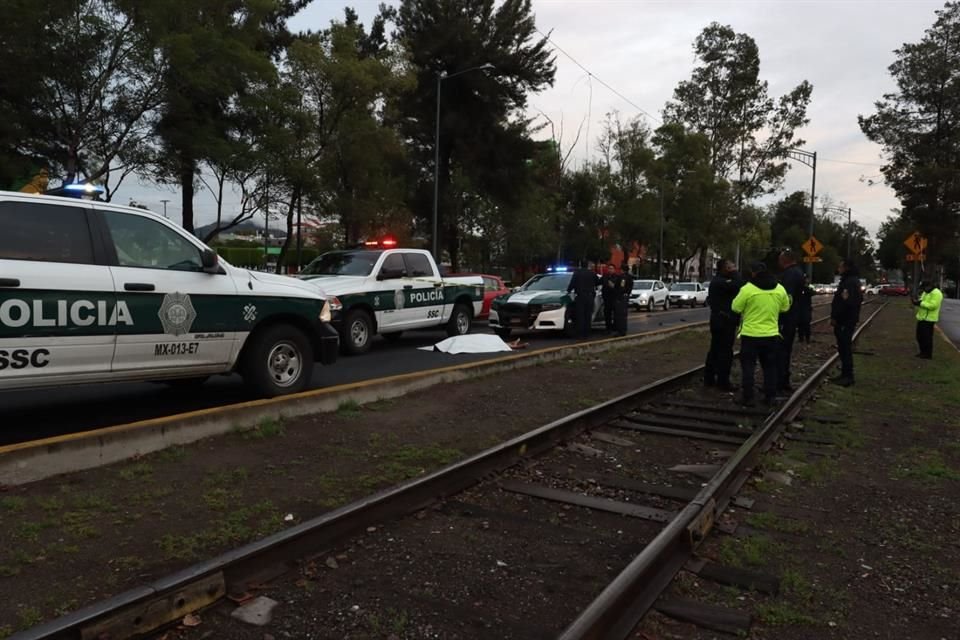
{"points": [[94, 292], [542, 303]]}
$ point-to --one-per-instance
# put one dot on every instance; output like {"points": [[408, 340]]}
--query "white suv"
{"points": [[649, 294], [94, 292]]}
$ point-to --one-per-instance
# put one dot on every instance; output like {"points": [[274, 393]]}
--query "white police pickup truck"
{"points": [[94, 292], [375, 289]]}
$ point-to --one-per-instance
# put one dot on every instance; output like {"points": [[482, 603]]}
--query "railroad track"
{"points": [[508, 543]]}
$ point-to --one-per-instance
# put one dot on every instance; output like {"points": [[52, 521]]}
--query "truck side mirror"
{"points": [[210, 261]]}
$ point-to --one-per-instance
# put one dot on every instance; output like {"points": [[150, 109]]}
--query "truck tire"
{"points": [[278, 361], [357, 332], [459, 322]]}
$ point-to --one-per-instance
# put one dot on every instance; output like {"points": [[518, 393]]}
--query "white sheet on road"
{"points": [[472, 343]]}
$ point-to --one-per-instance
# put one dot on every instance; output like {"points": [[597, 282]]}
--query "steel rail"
{"points": [[146, 608], [627, 599]]}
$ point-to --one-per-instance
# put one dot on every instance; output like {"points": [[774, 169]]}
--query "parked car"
{"points": [[542, 303], [649, 294], [895, 289], [824, 289], [493, 286], [689, 293], [875, 289]]}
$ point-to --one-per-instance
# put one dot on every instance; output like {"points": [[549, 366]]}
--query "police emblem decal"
{"points": [[250, 312], [398, 299], [177, 313]]}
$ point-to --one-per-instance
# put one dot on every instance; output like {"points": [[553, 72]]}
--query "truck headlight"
{"points": [[325, 314]]}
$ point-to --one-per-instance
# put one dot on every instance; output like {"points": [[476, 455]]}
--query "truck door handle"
{"points": [[408, 286], [9, 282], [139, 286]]}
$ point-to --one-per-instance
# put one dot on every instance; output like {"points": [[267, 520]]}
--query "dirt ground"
{"points": [[865, 538], [75, 539]]}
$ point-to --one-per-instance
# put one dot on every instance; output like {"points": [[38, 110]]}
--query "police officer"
{"points": [[724, 287], [583, 284], [792, 281], [624, 288], [844, 316], [928, 313], [609, 290], [760, 302]]}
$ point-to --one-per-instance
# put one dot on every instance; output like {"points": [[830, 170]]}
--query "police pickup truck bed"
{"points": [[388, 291], [94, 292]]}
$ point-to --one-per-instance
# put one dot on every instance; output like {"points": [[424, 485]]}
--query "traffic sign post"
{"points": [[812, 247]]}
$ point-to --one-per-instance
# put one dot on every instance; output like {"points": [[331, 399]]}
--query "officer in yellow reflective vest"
{"points": [[760, 303], [928, 314]]}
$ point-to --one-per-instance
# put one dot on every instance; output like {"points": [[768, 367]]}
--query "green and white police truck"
{"points": [[379, 290], [95, 292]]}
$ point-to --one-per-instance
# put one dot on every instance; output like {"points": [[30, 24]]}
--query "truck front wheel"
{"points": [[357, 332], [459, 322], [278, 361]]}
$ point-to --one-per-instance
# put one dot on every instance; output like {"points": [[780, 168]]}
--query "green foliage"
{"points": [[918, 126]]}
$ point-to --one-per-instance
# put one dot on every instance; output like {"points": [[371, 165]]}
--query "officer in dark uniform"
{"points": [[583, 284], [724, 287], [609, 284], [806, 312], [844, 316], [792, 281], [624, 288]]}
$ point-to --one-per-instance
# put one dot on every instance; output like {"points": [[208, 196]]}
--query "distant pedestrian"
{"points": [[806, 311], [724, 287], [609, 282], [792, 280], [928, 314], [844, 316], [583, 284], [621, 303], [759, 303]]}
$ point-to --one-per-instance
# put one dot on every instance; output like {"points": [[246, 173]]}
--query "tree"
{"points": [[748, 132], [215, 52], [91, 82], [452, 36], [918, 126]]}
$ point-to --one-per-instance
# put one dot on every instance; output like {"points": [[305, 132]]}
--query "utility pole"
{"points": [[808, 158], [165, 201]]}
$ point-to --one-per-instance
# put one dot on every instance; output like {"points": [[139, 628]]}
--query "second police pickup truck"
{"points": [[379, 290]]}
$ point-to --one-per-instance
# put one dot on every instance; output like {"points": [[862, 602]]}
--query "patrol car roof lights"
{"points": [[83, 190], [385, 243], [557, 269]]}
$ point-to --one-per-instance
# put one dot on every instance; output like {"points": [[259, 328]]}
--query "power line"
{"points": [[862, 164], [594, 77]]}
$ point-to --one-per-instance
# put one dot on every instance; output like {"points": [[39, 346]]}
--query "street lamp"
{"points": [[443, 75], [808, 158], [849, 212]]}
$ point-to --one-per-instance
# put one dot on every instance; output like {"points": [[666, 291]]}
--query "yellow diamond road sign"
{"points": [[812, 246], [916, 243]]}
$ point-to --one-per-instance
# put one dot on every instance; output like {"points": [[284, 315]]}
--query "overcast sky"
{"points": [[643, 48]]}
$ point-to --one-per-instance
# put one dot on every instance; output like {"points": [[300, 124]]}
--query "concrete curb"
{"points": [[946, 338], [36, 460]]}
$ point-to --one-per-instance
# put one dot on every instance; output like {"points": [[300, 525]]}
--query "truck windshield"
{"points": [[551, 282], [342, 263]]}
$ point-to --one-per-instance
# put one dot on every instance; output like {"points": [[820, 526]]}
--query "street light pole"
{"points": [[849, 212], [165, 201], [443, 75], [660, 248], [808, 158]]}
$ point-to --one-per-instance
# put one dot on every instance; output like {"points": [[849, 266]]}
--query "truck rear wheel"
{"points": [[459, 322], [357, 333], [278, 361]]}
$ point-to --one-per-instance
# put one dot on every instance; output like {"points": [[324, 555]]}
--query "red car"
{"points": [[895, 290], [492, 287]]}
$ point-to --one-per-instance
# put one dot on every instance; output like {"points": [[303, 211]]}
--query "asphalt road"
{"points": [[950, 320], [33, 414]]}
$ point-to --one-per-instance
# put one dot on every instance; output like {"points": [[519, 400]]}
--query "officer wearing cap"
{"points": [[623, 288]]}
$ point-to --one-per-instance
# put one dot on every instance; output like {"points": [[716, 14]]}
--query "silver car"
{"points": [[649, 294], [688, 293]]}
